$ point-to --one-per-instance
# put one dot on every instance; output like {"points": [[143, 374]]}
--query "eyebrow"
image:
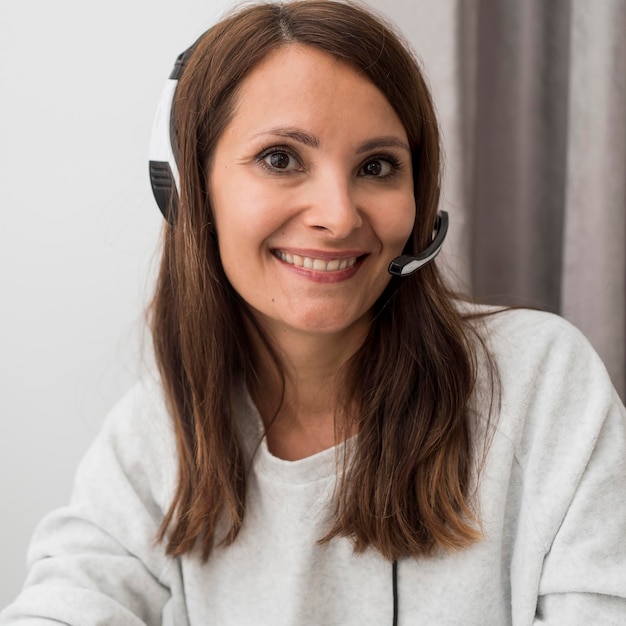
{"points": [[295, 134], [383, 142], [313, 142]]}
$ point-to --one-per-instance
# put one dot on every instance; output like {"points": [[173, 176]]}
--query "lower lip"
{"points": [[316, 276]]}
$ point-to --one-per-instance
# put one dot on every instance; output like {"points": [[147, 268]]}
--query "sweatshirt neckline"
{"points": [[319, 466]]}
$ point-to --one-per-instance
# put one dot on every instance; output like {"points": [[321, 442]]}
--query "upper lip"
{"points": [[318, 260], [324, 255]]}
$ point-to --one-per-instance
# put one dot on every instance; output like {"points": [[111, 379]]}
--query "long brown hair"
{"points": [[407, 489]]}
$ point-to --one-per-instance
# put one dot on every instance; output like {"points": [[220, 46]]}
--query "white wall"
{"points": [[80, 81]]}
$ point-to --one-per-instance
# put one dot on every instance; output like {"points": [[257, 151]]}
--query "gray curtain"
{"points": [[542, 110]]}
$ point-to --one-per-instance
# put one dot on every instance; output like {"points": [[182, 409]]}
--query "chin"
{"points": [[323, 324]]}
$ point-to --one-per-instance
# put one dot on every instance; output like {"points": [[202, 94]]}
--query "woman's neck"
{"points": [[299, 408]]}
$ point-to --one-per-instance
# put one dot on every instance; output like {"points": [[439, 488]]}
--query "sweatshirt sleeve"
{"points": [[96, 561], [584, 572], [572, 455]]}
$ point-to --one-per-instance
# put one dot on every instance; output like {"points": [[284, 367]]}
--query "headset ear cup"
{"points": [[163, 156], [164, 176], [164, 189]]}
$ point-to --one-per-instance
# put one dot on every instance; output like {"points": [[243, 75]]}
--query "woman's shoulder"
{"points": [[495, 318], [551, 382], [140, 416], [137, 438], [546, 370], [518, 337]]}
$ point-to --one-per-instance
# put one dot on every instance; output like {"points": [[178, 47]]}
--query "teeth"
{"points": [[315, 264]]}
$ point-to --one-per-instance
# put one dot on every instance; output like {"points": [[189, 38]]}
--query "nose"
{"points": [[333, 206]]}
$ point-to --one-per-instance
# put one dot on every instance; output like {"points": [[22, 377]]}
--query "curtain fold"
{"points": [[518, 156], [543, 117], [594, 260]]}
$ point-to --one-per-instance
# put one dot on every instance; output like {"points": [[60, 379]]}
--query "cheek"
{"points": [[246, 215], [243, 227], [396, 226]]}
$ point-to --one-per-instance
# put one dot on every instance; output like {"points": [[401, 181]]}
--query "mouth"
{"points": [[317, 264]]}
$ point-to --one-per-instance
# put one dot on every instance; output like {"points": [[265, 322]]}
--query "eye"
{"points": [[278, 159], [380, 167]]}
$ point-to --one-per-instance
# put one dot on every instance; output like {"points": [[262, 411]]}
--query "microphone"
{"points": [[405, 265]]}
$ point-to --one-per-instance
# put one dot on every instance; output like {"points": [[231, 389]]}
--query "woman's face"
{"points": [[312, 193]]}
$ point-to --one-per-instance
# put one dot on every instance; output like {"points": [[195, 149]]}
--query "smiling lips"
{"points": [[312, 263]]}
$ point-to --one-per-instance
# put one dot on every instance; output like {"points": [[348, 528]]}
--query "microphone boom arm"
{"points": [[405, 265]]}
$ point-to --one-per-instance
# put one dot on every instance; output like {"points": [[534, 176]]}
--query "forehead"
{"points": [[305, 86]]}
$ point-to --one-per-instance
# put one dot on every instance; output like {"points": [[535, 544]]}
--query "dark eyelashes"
{"points": [[275, 149], [394, 162], [392, 159]]}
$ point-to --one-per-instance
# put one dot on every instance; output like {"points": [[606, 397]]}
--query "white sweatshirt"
{"points": [[552, 501]]}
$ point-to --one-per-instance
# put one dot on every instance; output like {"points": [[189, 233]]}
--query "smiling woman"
{"points": [[325, 442]]}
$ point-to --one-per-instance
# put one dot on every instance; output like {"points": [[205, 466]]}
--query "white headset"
{"points": [[163, 149]]}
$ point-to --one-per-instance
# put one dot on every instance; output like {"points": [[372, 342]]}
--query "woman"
{"points": [[326, 443]]}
